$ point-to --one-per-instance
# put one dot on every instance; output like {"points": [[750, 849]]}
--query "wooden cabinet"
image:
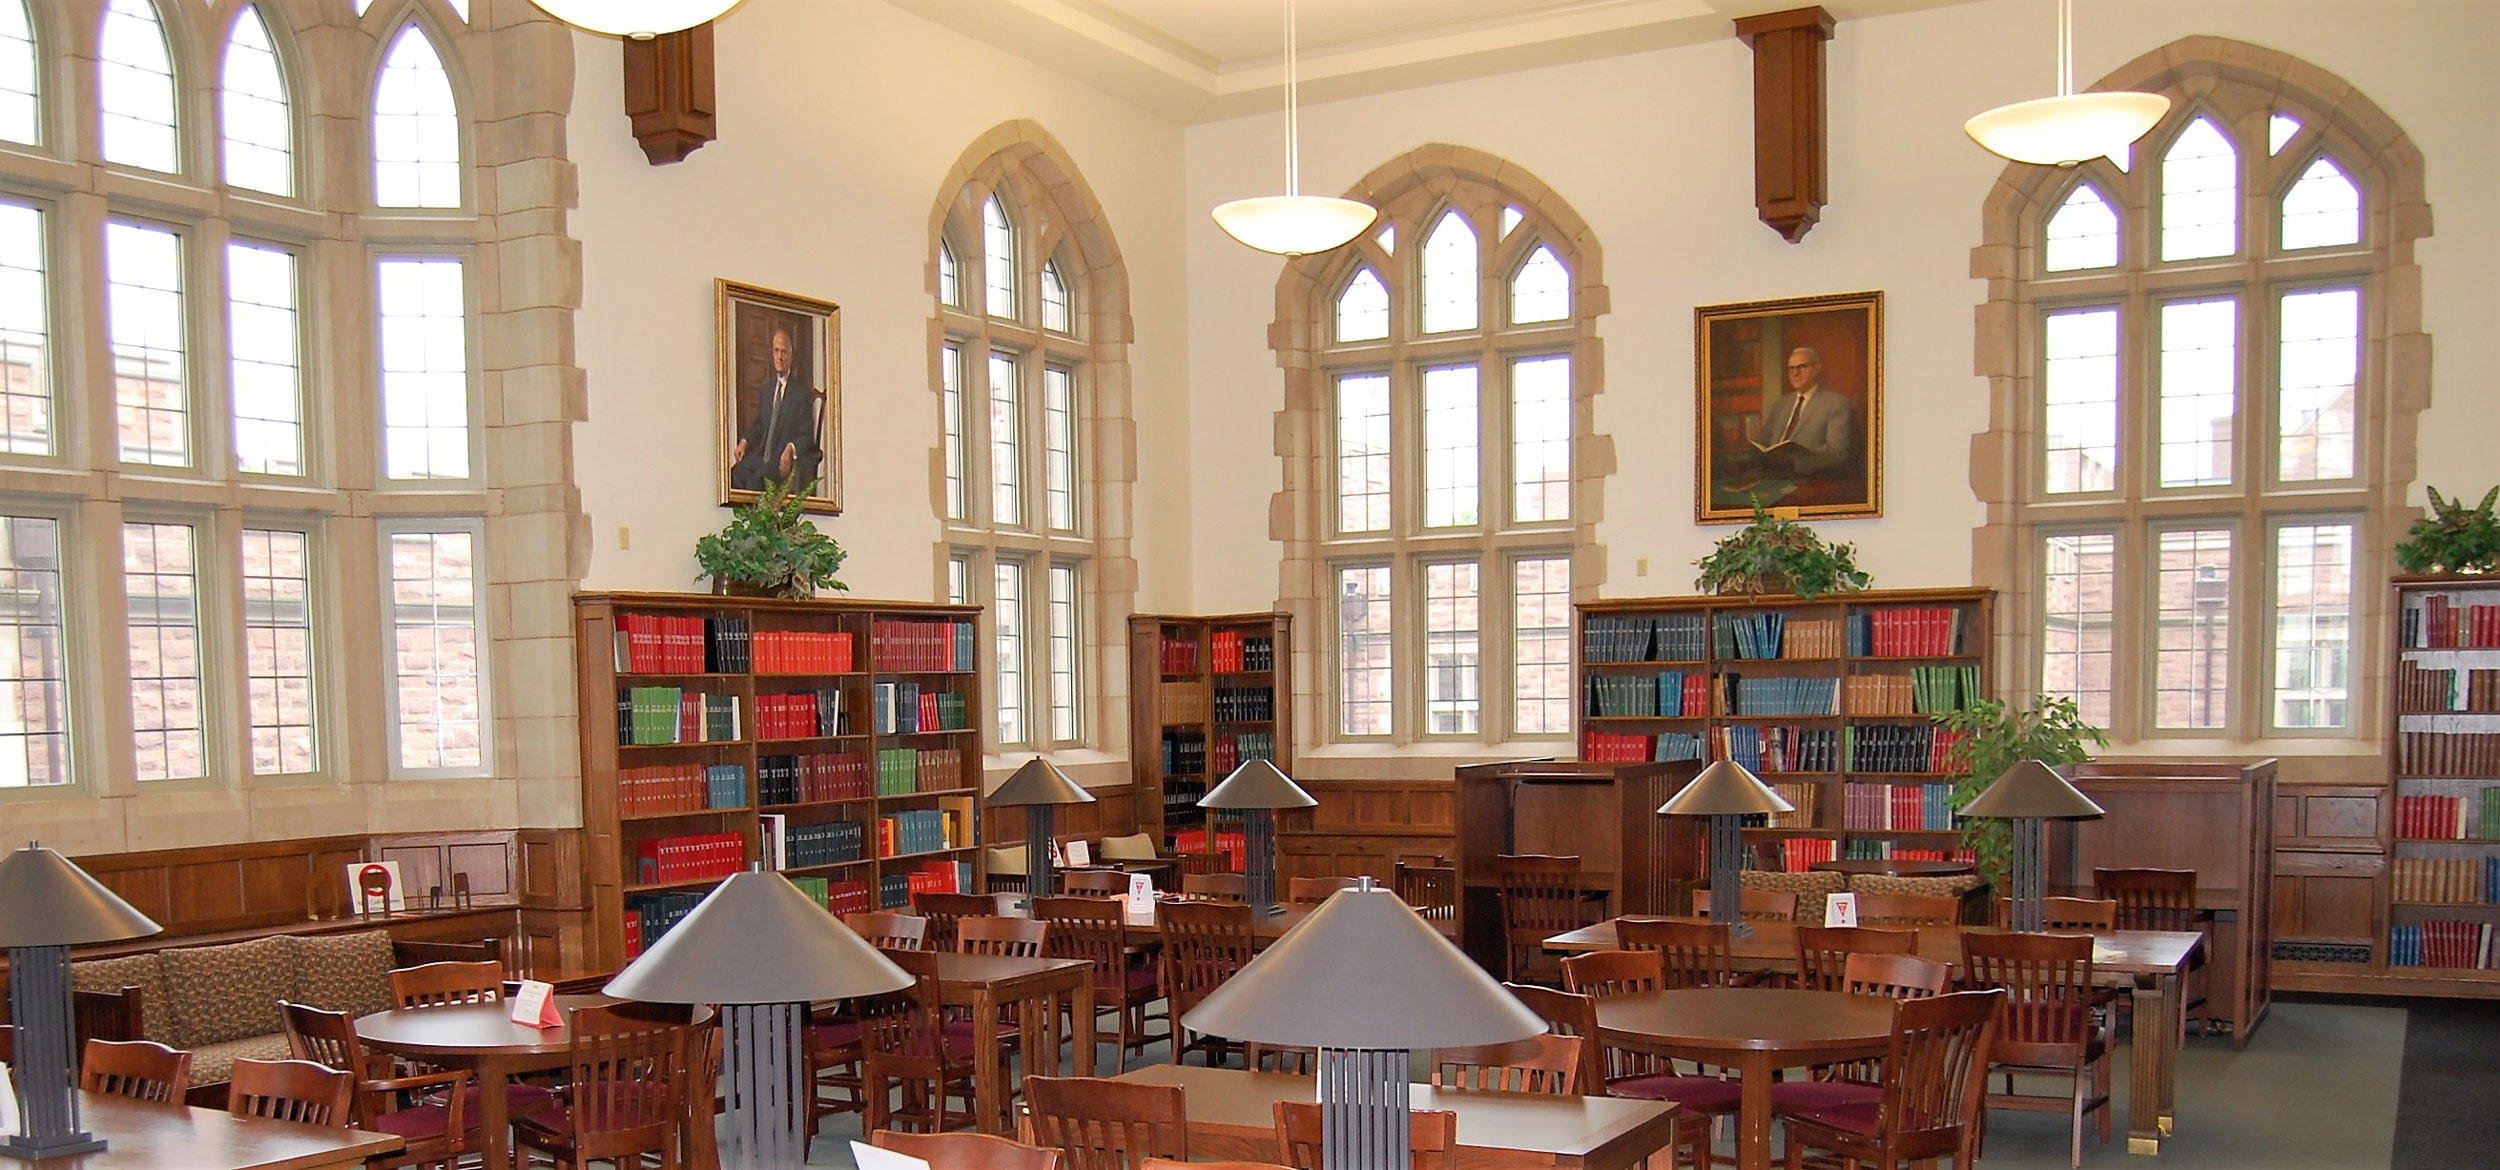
{"points": [[1206, 694], [1605, 814], [839, 740]]}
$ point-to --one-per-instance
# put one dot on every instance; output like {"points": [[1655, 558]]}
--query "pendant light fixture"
{"points": [[1293, 224], [2071, 127], [640, 20]]}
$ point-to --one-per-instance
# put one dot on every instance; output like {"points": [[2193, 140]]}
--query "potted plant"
{"points": [[1996, 736], [1777, 555], [770, 549], [2453, 538]]}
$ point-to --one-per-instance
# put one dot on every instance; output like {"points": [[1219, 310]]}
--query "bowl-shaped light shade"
{"points": [[639, 19], [757, 939], [1257, 784], [2031, 789], [2063, 131], [1040, 782], [1294, 225], [47, 901], [1725, 788], [1364, 972]]}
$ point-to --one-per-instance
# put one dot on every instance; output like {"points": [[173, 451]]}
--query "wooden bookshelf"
{"points": [[853, 726], [1206, 693], [1831, 701], [2442, 886]]}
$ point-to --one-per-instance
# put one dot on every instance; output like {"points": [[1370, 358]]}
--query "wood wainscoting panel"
{"points": [[1113, 814], [1363, 828], [429, 861], [233, 887], [550, 869]]}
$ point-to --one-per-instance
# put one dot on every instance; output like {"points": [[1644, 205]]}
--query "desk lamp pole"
{"points": [[2029, 794], [1257, 789]]}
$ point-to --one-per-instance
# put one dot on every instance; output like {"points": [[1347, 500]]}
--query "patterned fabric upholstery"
{"points": [[1955, 887], [1134, 847], [348, 973], [211, 1063], [229, 992], [156, 1016], [1810, 888]]}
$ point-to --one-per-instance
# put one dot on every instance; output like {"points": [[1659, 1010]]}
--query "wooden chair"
{"points": [[1614, 972], [1695, 954], [1538, 1064], [2047, 1026], [904, 1043], [142, 1070], [1754, 905], [1296, 1059], [1108, 1125], [967, 1151], [944, 910], [1431, 889], [436, 1130], [1014, 938], [1541, 897], [1860, 1082], [1568, 1014], [1822, 951], [299, 1091], [1625, 1072], [627, 1094], [1204, 861], [890, 931], [1433, 1137], [1094, 883], [1096, 930], [1311, 891], [1908, 910], [2088, 915], [1222, 887], [1204, 943], [443, 984], [2159, 899], [1169, 1164], [1895, 976], [1928, 1107]]}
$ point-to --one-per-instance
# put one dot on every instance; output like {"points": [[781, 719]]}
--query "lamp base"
{"points": [[30, 1148], [1267, 909]]}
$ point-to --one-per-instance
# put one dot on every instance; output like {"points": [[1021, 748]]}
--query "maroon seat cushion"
{"points": [[518, 1099], [1143, 979], [1862, 1119], [1815, 1096], [415, 1123], [1695, 1094], [838, 1035]]}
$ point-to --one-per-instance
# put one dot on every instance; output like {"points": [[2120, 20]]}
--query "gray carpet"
{"points": [[2446, 1118]]}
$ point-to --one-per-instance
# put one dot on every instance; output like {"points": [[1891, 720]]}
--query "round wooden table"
{"points": [[1753, 1030], [481, 1037], [1889, 868]]}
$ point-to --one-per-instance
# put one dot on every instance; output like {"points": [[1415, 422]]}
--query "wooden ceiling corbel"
{"points": [[1790, 155], [668, 93]]}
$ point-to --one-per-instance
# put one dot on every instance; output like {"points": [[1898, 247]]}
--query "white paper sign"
{"points": [[869, 1157], [1141, 895], [8, 1102], [1058, 859], [357, 871], [1840, 910], [531, 1005], [1080, 853]]}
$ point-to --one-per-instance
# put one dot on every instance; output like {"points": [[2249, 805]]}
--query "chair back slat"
{"points": [[1694, 954], [1822, 951], [1431, 889], [1311, 891], [1222, 887], [1296, 1059], [1540, 897], [1893, 976], [967, 1151], [1755, 905], [444, 984], [1092, 929], [2090, 915], [1538, 1064], [890, 931], [1570, 1014], [1015, 938], [1602, 973], [944, 910], [142, 1070], [628, 1077], [289, 1090], [2149, 899], [1104, 1124], [1908, 909], [1432, 1136], [1938, 1057], [1204, 943], [2047, 979]]}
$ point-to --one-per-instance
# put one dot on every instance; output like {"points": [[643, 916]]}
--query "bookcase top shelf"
{"points": [[812, 607], [1864, 598]]}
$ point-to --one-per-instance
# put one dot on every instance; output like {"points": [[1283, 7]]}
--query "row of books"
{"points": [[2424, 690], [1183, 703], [1897, 748], [1670, 693], [1896, 807], [788, 846], [920, 644], [675, 788], [2434, 621], [1235, 652], [837, 897], [937, 876], [1181, 795], [1925, 690], [1906, 632], [1184, 752], [650, 643], [1608, 748], [658, 715], [2449, 818], [1807, 798], [2444, 943], [1747, 635], [1878, 849], [903, 771], [1179, 654], [804, 652], [1739, 695], [904, 708], [1245, 704], [1811, 638], [810, 777], [1228, 842], [1798, 854], [648, 916], [1232, 749], [1778, 749], [801, 714], [2448, 753], [2456, 880], [689, 857], [1676, 637], [925, 830]]}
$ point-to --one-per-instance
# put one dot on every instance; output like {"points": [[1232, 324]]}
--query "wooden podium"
{"points": [[1606, 814]]}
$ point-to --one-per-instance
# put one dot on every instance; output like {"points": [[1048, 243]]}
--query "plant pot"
{"points": [[728, 588]]}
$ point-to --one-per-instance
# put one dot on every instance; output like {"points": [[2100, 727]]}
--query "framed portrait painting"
{"points": [[1790, 399], [780, 395]]}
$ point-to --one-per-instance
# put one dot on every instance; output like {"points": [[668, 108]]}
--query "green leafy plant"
{"points": [[770, 547], [1777, 555], [2453, 538], [1996, 736]]}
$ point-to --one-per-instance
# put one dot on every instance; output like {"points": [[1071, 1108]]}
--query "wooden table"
{"points": [[480, 1037], [1753, 1030], [1886, 867], [1232, 1116], [1037, 989], [142, 1134], [2148, 964], [1268, 927]]}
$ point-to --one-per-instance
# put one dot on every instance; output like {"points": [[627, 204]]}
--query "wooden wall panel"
{"points": [[1365, 827], [550, 869], [1113, 814]]}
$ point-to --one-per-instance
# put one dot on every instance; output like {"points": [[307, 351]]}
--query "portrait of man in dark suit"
{"points": [[780, 403], [779, 441]]}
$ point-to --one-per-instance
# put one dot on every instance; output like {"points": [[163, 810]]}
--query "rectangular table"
{"points": [[1232, 1117], [146, 1135], [2148, 964]]}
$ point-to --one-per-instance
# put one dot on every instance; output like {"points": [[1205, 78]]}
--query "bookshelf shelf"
{"points": [[2442, 872], [1207, 692], [810, 802]]}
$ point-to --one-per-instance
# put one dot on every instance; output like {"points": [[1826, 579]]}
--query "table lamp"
{"points": [[762, 950], [1258, 788], [1039, 788], [1726, 793], [47, 905], [1364, 980], [2028, 794]]}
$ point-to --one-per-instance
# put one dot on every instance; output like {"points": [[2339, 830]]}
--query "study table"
{"points": [[1754, 1030], [2148, 965], [144, 1134], [1232, 1117], [1036, 989], [480, 1037], [1267, 927]]}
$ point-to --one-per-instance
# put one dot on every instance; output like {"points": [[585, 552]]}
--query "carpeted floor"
{"points": [[2448, 1114]]}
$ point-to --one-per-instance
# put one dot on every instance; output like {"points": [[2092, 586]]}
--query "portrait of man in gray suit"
{"points": [[1806, 428], [1790, 398]]}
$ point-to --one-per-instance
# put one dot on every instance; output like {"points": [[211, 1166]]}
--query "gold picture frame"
{"points": [[778, 420], [1789, 407]]}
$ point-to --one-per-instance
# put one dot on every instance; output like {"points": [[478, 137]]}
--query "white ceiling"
{"points": [[1200, 60]]}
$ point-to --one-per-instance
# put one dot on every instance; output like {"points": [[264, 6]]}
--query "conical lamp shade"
{"points": [[1040, 782], [2032, 789], [47, 901], [757, 939], [2063, 131], [639, 19], [1364, 972], [1257, 784], [1725, 788]]}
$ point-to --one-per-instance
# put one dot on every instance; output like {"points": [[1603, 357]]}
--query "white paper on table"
{"points": [[1141, 895], [531, 1005], [870, 1157], [8, 1102], [1079, 853], [396, 900], [1840, 910]]}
